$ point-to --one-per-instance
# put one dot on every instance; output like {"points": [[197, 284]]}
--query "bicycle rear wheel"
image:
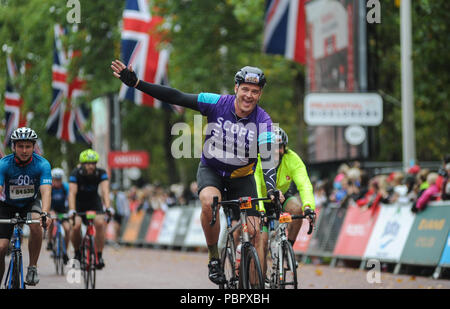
{"points": [[289, 267], [228, 264], [250, 275]]}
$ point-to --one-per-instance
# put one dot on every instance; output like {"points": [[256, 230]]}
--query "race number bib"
{"points": [[20, 192]]}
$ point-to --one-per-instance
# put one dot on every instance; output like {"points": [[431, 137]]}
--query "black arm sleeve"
{"points": [[169, 95]]}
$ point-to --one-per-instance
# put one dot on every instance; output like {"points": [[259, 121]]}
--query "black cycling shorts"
{"points": [[230, 188], [9, 211], [88, 206]]}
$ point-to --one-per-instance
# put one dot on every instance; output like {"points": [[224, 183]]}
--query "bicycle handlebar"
{"points": [[293, 217], [236, 202], [19, 221]]}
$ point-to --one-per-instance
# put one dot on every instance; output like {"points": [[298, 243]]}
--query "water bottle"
{"points": [[238, 258]]}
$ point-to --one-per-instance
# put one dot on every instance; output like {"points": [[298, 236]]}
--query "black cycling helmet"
{"points": [[24, 134], [250, 75], [280, 136]]}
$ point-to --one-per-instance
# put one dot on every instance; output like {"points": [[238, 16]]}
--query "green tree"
{"points": [[431, 95]]}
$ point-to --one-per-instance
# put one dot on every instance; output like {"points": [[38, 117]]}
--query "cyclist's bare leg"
{"points": [[99, 223], [35, 241], [66, 227], [4, 243], [236, 234], [293, 207], [263, 251], [76, 234], [211, 232]]}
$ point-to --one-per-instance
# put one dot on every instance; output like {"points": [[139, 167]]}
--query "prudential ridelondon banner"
{"points": [[332, 57]]}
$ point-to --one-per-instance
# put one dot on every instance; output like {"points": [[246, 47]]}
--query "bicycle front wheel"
{"points": [[250, 275], [228, 264], [17, 277], [88, 262], [58, 254], [289, 267]]}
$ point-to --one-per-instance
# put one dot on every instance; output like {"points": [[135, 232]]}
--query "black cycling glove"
{"points": [[310, 213], [128, 77]]}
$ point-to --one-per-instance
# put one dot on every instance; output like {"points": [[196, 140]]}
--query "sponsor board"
{"points": [[134, 222], [356, 230], [390, 232], [169, 226], [303, 239], [155, 226], [428, 236]]}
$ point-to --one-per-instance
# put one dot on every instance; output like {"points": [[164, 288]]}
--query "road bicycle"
{"points": [[282, 273], [89, 258], [59, 251], [249, 274], [88, 250], [14, 276]]}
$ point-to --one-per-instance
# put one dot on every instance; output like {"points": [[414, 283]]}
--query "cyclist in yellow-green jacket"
{"points": [[290, 169]]}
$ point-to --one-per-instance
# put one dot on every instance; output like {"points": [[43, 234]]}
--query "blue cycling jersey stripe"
{"points": [[104, 177], [266, 137], [210, 98], [73, 179]]}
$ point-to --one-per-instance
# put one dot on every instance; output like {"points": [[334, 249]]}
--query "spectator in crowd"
{"points": [[375, 195], [421, 181], [119, 202], [400, 190], [190, 194], [410, 182], [320, 194], [429, 194], [340, 186], [443, 180]]}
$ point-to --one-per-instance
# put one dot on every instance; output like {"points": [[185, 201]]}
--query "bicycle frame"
{"points": [[16, 252], [88, 241], [279, 236], [247, 247]]}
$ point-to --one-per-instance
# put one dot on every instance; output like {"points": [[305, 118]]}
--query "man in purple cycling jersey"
{"points": [[238, 129]]}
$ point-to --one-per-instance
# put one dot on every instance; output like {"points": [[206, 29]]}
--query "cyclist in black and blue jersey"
{"points": [[24, 175], [84, 183], [238, 129], [59, 205]]}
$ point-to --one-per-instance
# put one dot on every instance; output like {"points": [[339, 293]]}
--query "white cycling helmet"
{"points": [[24, 134], [57, 173]]}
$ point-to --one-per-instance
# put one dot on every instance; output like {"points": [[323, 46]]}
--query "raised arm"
{"points": [[162, 93]]}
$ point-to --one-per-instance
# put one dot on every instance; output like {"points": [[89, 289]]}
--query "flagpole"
{"points": [[408, 127]]}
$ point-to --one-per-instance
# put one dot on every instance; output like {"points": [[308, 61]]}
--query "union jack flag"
{"points": [[66, 121], [284, 29], [13, 103], [14, 115], [139, 47]]}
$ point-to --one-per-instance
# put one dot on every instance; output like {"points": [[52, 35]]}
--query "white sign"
{"points": [[341, 109], [355, 135], [390, 232], [195, 235]]}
